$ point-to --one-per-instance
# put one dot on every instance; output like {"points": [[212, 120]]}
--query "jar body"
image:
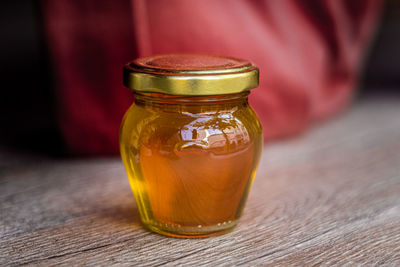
{"points": [[190, 161]]}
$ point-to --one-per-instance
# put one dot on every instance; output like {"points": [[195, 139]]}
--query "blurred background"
{"points": [[61, 62]]}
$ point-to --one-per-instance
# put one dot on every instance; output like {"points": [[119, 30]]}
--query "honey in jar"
{"points": [[190, 142]]}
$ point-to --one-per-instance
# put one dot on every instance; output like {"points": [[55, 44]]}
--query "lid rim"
{"points": [[169, 72]]}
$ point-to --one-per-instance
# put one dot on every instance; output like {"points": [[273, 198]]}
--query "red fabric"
{"points": [[309, 54], [90, 42]]}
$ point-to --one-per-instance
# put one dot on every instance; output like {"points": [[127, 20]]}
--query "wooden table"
{"points": [[331, 197]]}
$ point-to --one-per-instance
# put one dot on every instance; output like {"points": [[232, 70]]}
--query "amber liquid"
{"points": [[191, 164]]}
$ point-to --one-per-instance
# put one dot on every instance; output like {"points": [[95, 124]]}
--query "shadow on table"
{"points": [[122, 216]]}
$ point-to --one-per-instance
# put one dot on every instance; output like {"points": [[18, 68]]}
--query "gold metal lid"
{"points": [[190, 75]]}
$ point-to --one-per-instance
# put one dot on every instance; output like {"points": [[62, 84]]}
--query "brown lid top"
{"points": [[189, 62], [190, 74]]}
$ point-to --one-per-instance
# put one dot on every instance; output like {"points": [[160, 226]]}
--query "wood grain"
{"points": [[329, 197]]}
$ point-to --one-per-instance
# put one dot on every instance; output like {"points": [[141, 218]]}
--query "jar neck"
{"points": [[192, 103]]}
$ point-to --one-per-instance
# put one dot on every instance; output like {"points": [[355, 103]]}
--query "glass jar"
{"points": [[190, 143]]}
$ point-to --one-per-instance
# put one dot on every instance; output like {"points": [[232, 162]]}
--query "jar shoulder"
{"points": [[218, 129]]}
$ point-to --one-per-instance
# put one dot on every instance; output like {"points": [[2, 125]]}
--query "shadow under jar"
{"points": [[190, 143]]}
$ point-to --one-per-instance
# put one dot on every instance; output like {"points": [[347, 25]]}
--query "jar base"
{"points": [[178, 231]]}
